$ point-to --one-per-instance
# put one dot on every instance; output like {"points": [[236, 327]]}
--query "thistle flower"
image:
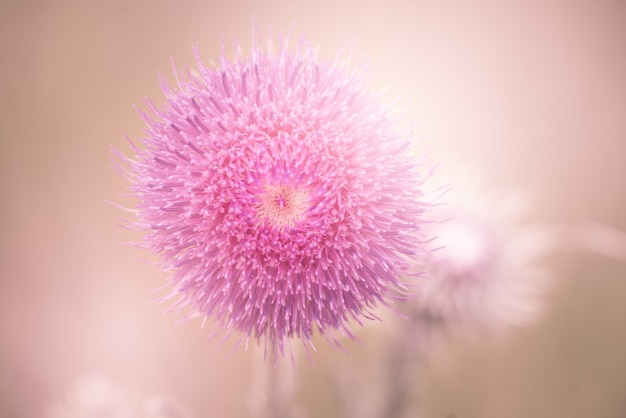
{"points": [[93, 397], [488, 277], [97, 397], [280, 194], [481, 280]]}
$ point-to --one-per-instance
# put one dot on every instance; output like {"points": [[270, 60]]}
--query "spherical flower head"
{"points": [[487, 276], [280, 193]]}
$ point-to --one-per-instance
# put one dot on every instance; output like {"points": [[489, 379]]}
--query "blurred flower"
{"points": [[94, 397], [97, 397], [481, 278], [158, 407], [280, 194], [487, 276]]}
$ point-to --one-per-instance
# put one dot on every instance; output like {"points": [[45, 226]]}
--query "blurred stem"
{"points": [[272, 386], [591, 236], [405, 359]]}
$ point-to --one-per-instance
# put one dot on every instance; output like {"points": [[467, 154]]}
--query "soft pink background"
{"points": [[531, 92]]}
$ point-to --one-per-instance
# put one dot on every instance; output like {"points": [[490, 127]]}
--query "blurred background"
{"points": [[532, 93]]}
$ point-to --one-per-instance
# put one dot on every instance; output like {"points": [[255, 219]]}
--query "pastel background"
{"points": [[532, 93]]}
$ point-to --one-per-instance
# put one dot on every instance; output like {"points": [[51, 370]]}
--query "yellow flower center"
{"points": [[282, 205]]}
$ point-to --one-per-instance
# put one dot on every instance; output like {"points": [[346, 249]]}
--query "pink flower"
{"points": [[490, 277], [97, 397], [280, 193], [92, 397]]}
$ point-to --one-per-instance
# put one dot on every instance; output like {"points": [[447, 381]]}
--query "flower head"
{"points": [[92, 397], [487, 277], [279, 192], [97, 397]]}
